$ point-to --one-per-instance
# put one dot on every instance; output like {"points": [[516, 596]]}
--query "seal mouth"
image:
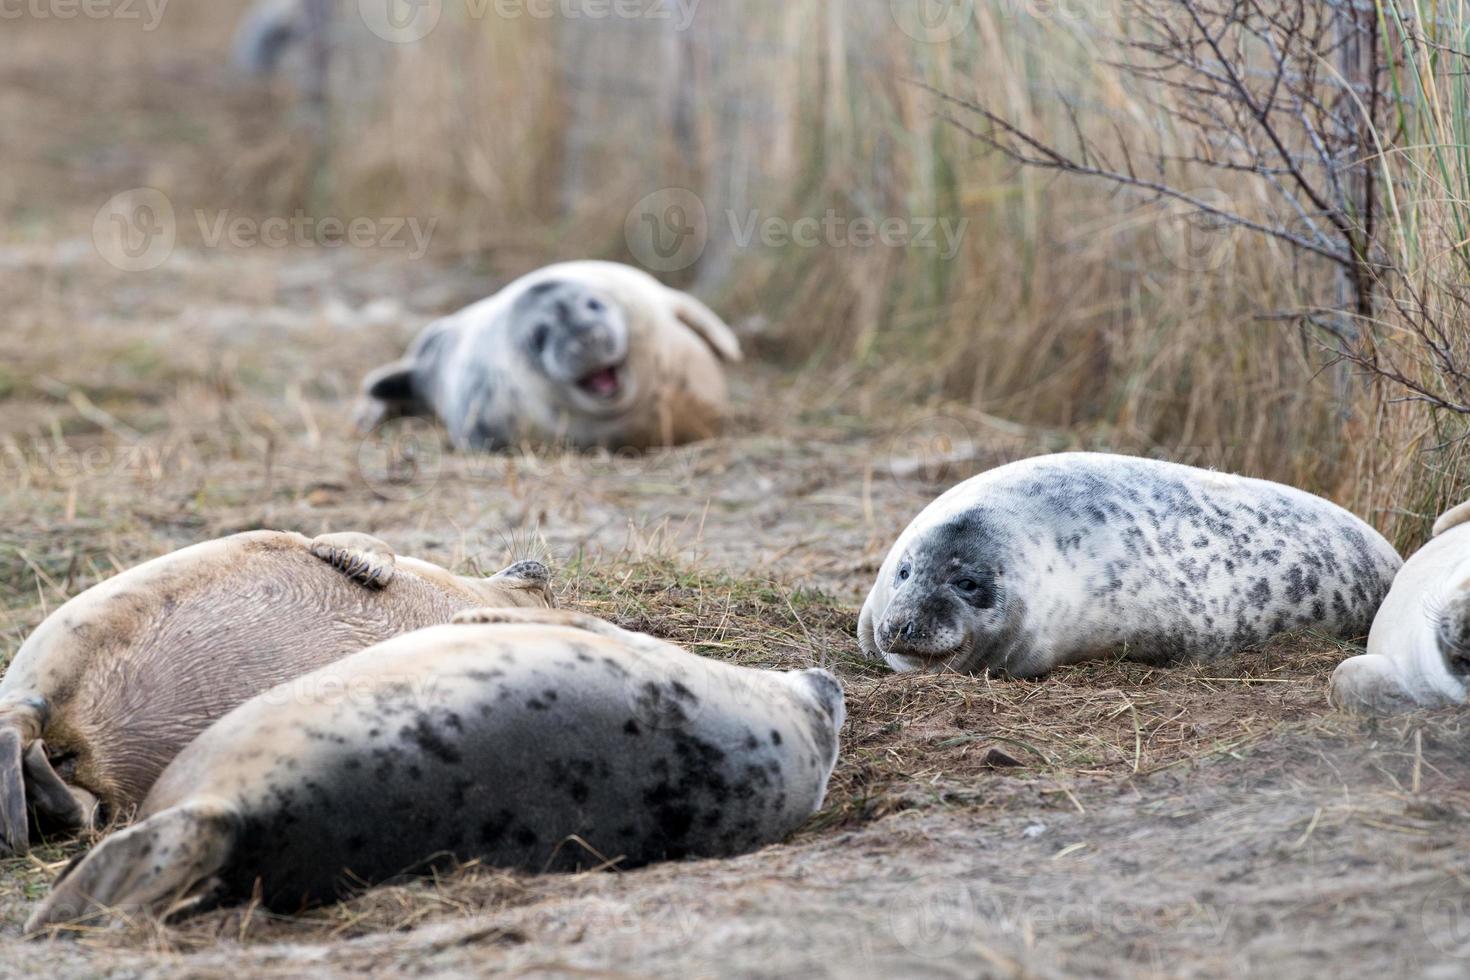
{"points": [[604, 384]]}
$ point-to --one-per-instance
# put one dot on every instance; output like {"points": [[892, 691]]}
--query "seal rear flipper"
{"points": [[148, 869], [707, 324], [1452, 518], [360, 557]]}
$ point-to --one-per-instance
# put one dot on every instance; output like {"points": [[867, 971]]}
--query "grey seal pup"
{"points": [[1419, 648], [111, 685], [1060, 558], [591, 354], [541, 740]]}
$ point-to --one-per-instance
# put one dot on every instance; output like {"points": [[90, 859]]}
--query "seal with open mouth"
{"points": [[592, 354], [1060, 558]]}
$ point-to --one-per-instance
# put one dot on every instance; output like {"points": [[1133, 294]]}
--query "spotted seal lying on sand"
{"points": [[115, 682], [596, 354], [1059, 558], [542, 740], [1419, 648]]}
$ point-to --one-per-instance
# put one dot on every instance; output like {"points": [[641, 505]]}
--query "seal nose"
{"points": [[897, 636]]}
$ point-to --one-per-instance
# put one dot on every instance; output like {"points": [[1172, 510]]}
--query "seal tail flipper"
{"points": [[1451, 518], [361, 557], [147, 869], [707, 324]]}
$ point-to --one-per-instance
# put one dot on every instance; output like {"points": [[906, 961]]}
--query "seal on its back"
{"points": [[107, 690], [596, 354], [541, 740], [1060, 558], [1419, 648]]}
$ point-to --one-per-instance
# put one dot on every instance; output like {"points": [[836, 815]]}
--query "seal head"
{"points": [[950, 608], [576, 337]]}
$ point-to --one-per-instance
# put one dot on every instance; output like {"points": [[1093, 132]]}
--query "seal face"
{"points": [[108, 689], [533, 739], [577, 337], [1419, 648], [596, 354], [1059, 558]]}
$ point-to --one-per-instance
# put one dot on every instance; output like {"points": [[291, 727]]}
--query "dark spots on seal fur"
{"points": [[630, 727], [423, 734]]}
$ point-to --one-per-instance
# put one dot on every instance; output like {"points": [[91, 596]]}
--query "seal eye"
{"points": [[903, 572], [595, 305], [967, 585], [540, 337]]}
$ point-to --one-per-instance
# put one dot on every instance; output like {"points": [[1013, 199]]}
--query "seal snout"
{"points": [[916, 636]]}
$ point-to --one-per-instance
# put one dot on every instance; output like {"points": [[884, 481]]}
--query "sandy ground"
{"points": [[1112, 820]]}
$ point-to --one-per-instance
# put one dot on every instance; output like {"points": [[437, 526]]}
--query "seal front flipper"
{"points": [[358, 556], [21, 722], [147, 869], [67, 809]]}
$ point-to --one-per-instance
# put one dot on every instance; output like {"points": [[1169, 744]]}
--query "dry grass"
{"points": [[215, 392]]}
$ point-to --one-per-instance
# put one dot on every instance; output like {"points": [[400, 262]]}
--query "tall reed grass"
{"points": [[1063, 306]]}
